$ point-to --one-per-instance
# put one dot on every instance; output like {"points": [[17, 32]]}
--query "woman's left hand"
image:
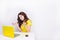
{"points": [[24, 23]]}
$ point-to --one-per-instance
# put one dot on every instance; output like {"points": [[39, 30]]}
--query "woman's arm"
{"points": [[16, 24], [27, 27], [18, 28]]}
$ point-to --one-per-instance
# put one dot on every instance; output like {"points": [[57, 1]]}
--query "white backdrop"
{"points": [[44, 14]]}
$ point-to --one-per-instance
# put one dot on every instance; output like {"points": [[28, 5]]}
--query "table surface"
{"points": [[19, 36]]}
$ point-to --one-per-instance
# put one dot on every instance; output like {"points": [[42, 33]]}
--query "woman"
{"points": [[24, 23]]}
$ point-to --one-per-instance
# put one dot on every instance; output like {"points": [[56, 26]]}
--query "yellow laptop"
{"points": [[8, 31]]}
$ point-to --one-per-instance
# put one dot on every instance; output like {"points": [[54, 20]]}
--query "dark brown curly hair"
{"points": [[20, 22]]}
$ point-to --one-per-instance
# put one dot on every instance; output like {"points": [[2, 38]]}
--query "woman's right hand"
{"points": [[14, 23]]}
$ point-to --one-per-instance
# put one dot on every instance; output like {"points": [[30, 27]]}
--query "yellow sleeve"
{"points": [[28, 23]]}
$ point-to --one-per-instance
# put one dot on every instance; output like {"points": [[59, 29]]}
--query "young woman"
{"points": [[24, 23]]}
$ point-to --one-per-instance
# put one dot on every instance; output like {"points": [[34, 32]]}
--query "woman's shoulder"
{"points": [[28, 20]]}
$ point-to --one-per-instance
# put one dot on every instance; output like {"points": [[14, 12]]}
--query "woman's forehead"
{"points": [[20, 15]]}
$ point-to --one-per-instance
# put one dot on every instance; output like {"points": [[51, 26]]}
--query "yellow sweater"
{"points": [[28, 23]]}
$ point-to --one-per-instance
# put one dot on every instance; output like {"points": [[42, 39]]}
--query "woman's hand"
{"points": [[14, 23], [24, 23]]}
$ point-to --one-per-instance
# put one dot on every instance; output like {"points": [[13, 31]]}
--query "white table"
{"points": [[19, 36]]}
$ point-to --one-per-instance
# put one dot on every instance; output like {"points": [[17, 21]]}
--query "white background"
{"points": [[45, 16]]}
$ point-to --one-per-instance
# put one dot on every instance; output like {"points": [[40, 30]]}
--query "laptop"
{"points": [[8, 31]]}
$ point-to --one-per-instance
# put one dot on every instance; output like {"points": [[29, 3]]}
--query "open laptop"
{"points": [[8, 31]]}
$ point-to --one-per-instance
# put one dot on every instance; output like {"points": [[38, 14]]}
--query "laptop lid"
{"points": [[8, 31]]}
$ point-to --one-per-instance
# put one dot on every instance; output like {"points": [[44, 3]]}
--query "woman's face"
{"points": [[21, 17]]}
